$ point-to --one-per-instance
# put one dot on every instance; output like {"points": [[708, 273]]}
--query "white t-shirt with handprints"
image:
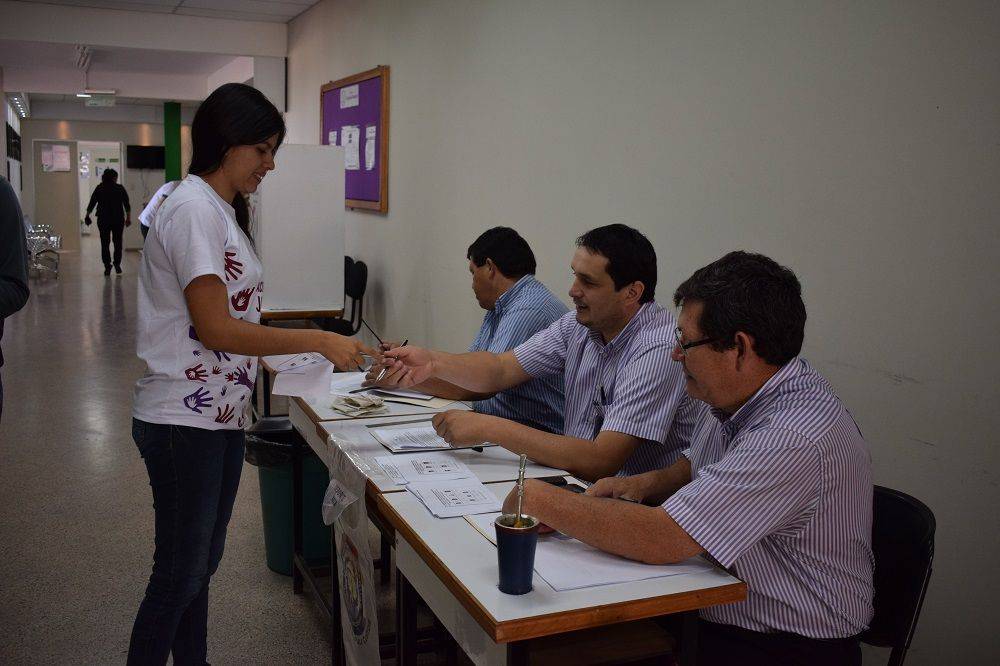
{"points": [[185, 383]]}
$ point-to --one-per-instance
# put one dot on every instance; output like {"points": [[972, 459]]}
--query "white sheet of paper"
{"points": [[345, 382], [422, 467], [463, 497], [336, 499], [403, 438], [569, 564], [369, 148], [403, 393], [300, 361], [46, 157], [348, 96], [310, 380], [331, 137], [350, 138], [60, 157]]}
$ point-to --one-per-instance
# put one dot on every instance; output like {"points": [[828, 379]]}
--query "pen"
{"points": [[381, 372], [372, 331]]}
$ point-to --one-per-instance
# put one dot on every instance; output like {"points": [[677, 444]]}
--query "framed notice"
{"points": [[354, 114]]}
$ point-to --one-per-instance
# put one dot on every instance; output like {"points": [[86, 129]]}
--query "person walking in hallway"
{"points": [[113, 215]]}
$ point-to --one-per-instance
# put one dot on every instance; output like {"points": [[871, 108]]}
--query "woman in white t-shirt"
{"points": [[200, 284]]}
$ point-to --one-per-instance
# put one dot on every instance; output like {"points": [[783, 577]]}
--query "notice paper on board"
{"points": [[349, 96], [350, 139], [370, 148], [331, 137]]}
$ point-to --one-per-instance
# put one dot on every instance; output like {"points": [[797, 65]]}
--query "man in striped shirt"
{"points": [[626, 411], [776, 485], [517, 306]]}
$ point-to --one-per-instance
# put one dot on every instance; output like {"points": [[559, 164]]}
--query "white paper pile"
{"points": [[423, 467], [462, 497]]}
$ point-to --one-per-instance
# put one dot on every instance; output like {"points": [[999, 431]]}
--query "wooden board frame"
{"points": [[381, 71]]}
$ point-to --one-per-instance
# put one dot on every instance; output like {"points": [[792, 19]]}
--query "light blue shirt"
{"points": [[520, 312]]}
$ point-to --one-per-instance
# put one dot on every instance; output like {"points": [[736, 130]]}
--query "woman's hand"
{"points": [[345, 353]]}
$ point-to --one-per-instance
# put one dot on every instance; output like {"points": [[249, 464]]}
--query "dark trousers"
{"points": [[723, 644], [194, 474], [108, 233]]}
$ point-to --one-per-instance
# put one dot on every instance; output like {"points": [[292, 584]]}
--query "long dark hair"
{"points": [[234, 114]]}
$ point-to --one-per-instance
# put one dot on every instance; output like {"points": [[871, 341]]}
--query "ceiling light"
{"points": [[83, 94], [95, 91]]}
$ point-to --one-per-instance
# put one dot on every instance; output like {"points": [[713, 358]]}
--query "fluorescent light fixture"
{"points": [[95, 91], [83, 94]]}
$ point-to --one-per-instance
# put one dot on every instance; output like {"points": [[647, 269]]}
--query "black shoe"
{"points": [[107, 270], [118, 270]]}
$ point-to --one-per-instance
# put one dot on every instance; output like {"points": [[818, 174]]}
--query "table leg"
{"points": [[297, 538], [337, 657], [385, 559], [406, 621], [517, 653], [689, 639]]}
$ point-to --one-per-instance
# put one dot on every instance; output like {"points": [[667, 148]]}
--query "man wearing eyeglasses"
{"points": [[776, 485], [625, 411]]}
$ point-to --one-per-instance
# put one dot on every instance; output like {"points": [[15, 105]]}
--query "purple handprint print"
{"points": [[220, 355], [224, 415], [197, 400], [243, 377], [196, 373]]}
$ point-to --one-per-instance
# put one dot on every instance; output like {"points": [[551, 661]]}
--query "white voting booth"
{"points": [[299, 215]]}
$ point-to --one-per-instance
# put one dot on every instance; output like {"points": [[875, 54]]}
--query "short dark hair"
{"points": [[752, 293], [109, 176], [511, 253], [630, 256]]}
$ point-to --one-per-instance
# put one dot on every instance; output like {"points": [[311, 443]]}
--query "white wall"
{"points": [[855, 142]]}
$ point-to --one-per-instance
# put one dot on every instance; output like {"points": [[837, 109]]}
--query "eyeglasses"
{"points": [[684, 346]]}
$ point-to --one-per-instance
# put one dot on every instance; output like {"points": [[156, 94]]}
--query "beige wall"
{"points": [[138, 184], [855, 142]]}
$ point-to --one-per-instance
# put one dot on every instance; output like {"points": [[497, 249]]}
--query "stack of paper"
{"points": [[463, 497], [409, 438], [423, 467]]}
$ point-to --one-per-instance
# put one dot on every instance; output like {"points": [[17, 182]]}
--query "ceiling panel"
{"points": [[273, 11]]}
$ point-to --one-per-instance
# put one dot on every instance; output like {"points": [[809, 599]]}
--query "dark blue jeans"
{"points": [[194, 474]]}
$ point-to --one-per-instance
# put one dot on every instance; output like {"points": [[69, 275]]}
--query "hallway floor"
{"points": [[76, 516]]}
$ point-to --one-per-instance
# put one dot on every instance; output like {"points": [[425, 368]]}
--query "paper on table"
{"points": [[350, 139], [401, 438], [569, 564], [403, 393], [345, 382], [447, 499], [422, 467]]}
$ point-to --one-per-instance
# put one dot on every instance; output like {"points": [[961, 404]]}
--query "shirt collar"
{"points": [[226, 206], [759, 400], [507, 297], [637, 321]]}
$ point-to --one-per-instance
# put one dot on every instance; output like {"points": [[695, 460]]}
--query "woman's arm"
{"points": [[208, 304]]}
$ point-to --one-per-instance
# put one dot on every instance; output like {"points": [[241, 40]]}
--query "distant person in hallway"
{"points": [[13, 261], [149, 212], [200, 285], [113, 215]]}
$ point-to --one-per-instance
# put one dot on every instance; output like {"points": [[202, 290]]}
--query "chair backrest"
{"points": [[355, 283], [903, 544]]}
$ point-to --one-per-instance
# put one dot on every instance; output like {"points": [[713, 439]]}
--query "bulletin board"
{"points": [[354, 114]]}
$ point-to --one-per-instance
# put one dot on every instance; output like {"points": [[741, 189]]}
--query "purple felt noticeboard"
{"points": [[363, 188]]}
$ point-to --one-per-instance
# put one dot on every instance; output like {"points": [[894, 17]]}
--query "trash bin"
{"points": [[269, 446]]}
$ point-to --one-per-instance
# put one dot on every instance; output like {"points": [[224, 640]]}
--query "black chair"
{"points": [[355, 283], [903, 544]]}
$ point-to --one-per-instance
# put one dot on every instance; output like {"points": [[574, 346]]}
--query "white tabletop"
{"points": [[493, 464], [321, 408], [472, 560]]}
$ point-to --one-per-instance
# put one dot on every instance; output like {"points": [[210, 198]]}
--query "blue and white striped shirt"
{"points": [[520, 312], [781, 493], [628, 385]]}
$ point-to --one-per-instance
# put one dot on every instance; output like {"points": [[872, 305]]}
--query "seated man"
{"points": [[625, 405], [776, 485], [517, 306]]}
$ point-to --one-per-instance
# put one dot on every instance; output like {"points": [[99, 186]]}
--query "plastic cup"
{"points": [[516, 552]]}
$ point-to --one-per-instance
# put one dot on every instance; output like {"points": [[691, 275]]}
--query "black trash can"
{"points": [[269, 446]]}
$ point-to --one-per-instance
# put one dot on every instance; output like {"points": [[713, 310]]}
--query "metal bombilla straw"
{"points": [[520, 488]]}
